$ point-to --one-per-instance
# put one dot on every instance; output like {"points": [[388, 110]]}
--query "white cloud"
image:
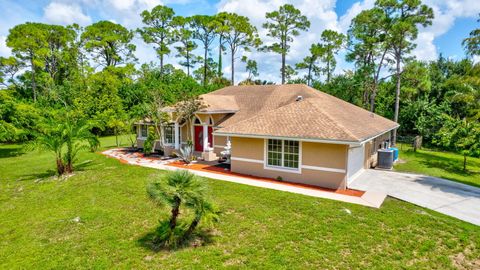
{"points": [[4, 50], [321, 15], [446, 12], [63, 13]]}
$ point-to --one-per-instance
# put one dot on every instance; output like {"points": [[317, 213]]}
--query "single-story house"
{"points": [[290, 132]]}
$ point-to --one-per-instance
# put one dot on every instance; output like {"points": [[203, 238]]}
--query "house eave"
{"points": [[303, 139]]}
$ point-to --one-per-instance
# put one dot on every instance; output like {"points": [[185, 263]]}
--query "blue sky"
{"points": [[453, 21]]}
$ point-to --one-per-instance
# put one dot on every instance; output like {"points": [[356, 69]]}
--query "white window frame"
{"points": [[141, 133], [282, 168], [172, 125]]}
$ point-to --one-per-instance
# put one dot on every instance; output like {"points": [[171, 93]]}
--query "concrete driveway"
{"points": [[447, 197]]}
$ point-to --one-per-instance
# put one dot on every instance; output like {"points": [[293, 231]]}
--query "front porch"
{"points": [[176, 134]]}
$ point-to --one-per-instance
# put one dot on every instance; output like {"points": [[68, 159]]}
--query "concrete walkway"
{"points": [[444, 196], [369, 198]]}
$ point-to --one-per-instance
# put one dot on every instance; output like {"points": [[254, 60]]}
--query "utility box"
{"points": [[385, 158]]}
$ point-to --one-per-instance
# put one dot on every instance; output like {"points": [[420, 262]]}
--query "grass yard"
{"points": [[258, 228], [440, 164]]}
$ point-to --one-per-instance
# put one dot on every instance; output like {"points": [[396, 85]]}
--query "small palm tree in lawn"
{"points": [[204, 211], [77, 136], [175, 189], [65, 140], [51, 140]]}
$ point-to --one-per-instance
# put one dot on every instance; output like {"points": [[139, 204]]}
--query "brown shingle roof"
{"points": [[272, 110], [219, 103]]}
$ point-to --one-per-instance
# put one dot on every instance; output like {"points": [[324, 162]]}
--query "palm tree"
{"points": [[65, 139], [204, 210], [77, 136], [175, 188], [50, 140]]}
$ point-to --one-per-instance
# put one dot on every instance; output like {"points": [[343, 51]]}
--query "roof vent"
{"points": [[299, 98]]}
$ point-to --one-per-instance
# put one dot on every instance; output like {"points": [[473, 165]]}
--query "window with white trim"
{"points": [[144, 131], [283, 153], [169, 133]]}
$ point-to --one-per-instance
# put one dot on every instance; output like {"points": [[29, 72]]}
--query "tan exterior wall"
{"points": [[250, 148], [324, 155], [313, 154], [185, 133]]}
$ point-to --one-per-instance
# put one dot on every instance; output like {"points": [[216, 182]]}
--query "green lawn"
{"points": [[440, 164], [259, 228]]}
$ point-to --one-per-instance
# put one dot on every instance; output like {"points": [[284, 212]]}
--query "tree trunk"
{"points": [[60, 166], [372, 97], [192, 227], [161, 64], [219, 71], [233, 68], [309, 76], [464, 162], [328, 71], [188, 62], [205, 67], [116, 136], [283, 68], [34, 84], [375, 82], [175, 213], [69, 167], [398, 57]]}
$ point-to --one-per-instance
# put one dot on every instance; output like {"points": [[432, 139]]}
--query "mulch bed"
{"points": [[220, 169]]}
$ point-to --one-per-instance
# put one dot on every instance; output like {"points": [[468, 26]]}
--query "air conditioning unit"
{"points": [[385, 159]]}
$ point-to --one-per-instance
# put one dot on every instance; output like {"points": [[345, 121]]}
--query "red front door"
{"points": [[199, 137]]}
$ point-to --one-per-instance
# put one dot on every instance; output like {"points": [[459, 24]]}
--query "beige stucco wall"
{"points": [[324, 155], [313, 154], [185, 133]]}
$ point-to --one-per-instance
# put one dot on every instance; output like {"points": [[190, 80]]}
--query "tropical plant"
{"points": [[186, 152], [65, 139], [462, 136], [149, 143], [51, 139], [175, 189]]}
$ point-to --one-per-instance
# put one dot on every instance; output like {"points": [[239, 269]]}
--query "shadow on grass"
{"points": [[201, 237], [40, 176], [10, 152], [450, 165]]}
